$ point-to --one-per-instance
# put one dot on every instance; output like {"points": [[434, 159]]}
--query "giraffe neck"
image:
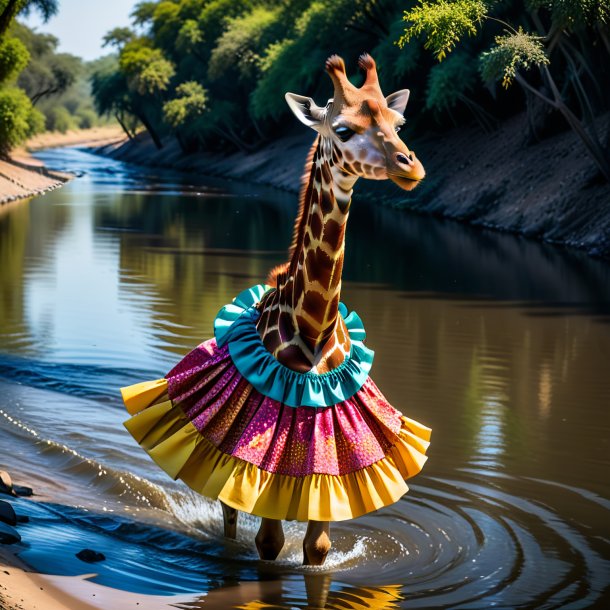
{"points": [[300, 324], [317, 260]]}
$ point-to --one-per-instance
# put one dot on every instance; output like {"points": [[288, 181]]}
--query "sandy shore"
{"points": [[96, 136], [22, 589], [22, 176]]}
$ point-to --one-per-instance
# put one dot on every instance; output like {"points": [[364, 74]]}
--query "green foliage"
{"points": [[148, 71], [444, 22], [213, 73], [189, 35], [449, 81], [294, 63], [86, 118], [215, 13], [512, 51], [30, 60], [9, 9], [143, 13], [55, 80], [109, 88], [264, 102], [118, 37], [14, 56], [240, 44], [59, 119], [18, 118], [46, 8], [52, 76], [189, 103], [578, 47], [393, 62], [574, 14]]}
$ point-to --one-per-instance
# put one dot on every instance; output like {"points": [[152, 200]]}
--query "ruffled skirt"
{"points": [[208, 425]]}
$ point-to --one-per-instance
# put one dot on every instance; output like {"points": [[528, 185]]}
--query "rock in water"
{"points": [[6, 483], [8, 534], [90, 556], [7, 487], [7, 514], [22, 490]]}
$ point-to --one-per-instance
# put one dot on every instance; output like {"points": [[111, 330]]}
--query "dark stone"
{"points": [[7, 513], [23, 519], [6, 483], [21, 490], [8, 534], [90, 556]]}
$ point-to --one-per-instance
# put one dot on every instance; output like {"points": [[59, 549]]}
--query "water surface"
{"points": [[500, 344]]}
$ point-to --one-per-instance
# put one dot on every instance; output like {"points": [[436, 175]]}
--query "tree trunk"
{"points": [[123, 127], [8, 14], [181, 142], [151, 130], [593, 146]]}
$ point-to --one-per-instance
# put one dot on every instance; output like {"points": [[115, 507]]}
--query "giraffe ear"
{"points": [[306, 110], [398, 101]]}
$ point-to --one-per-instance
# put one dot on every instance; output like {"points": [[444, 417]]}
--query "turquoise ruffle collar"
{"points": [[235, 325]]}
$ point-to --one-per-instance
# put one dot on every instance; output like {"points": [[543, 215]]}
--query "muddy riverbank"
{"points": [[20, 179], [547, 190], [22, 176]]}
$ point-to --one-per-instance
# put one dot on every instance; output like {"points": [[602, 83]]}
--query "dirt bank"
{"points": [[21, 588], [22, 176], [548, 190], [96, 136]]}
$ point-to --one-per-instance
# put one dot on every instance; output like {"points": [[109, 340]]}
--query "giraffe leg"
{"points": [[270, 539], [316, 543], [229, 516]]}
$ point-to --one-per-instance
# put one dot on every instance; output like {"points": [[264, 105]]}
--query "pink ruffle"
{"points": [[295, 441]]}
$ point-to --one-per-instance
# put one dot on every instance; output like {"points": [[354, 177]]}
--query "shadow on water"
{"points": [[498, 343]]}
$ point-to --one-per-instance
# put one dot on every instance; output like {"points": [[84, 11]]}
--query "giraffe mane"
{"points": [[277, 274]]}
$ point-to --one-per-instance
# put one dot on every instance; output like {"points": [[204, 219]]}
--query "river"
{"points": [[500, 344]]}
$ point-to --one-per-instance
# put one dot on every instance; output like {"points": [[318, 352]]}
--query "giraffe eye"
{"points": [[344, 133]]}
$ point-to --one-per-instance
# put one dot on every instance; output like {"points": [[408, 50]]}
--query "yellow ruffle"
{"points": [[174, 443]]}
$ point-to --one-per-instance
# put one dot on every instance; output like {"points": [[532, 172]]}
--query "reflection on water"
{"points": [[501, 345]]}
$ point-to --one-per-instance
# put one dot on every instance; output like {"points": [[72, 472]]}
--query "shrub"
{"points": [[18, 118], [59, 119], [14, 56]]}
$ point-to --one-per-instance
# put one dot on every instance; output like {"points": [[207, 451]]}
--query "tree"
{"points": [[14, 57], [18, 118], [10, 8], [51, 75], [446, 23], [118, 37], [110, 92], [185, 109], [148, 72]]}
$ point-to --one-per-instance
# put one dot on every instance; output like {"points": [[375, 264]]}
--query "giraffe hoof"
{"points": [[269, 547], [315, 552]]}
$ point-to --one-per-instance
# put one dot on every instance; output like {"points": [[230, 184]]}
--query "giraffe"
{"points": [[299, 323]]}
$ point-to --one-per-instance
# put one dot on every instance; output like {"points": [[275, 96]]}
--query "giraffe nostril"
{"points": [[404, 159]]}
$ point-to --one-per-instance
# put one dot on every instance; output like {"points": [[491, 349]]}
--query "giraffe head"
{"points": [[363, 126]]}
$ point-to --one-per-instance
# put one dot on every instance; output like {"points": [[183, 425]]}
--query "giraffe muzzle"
{"points": [[406, 171]]}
